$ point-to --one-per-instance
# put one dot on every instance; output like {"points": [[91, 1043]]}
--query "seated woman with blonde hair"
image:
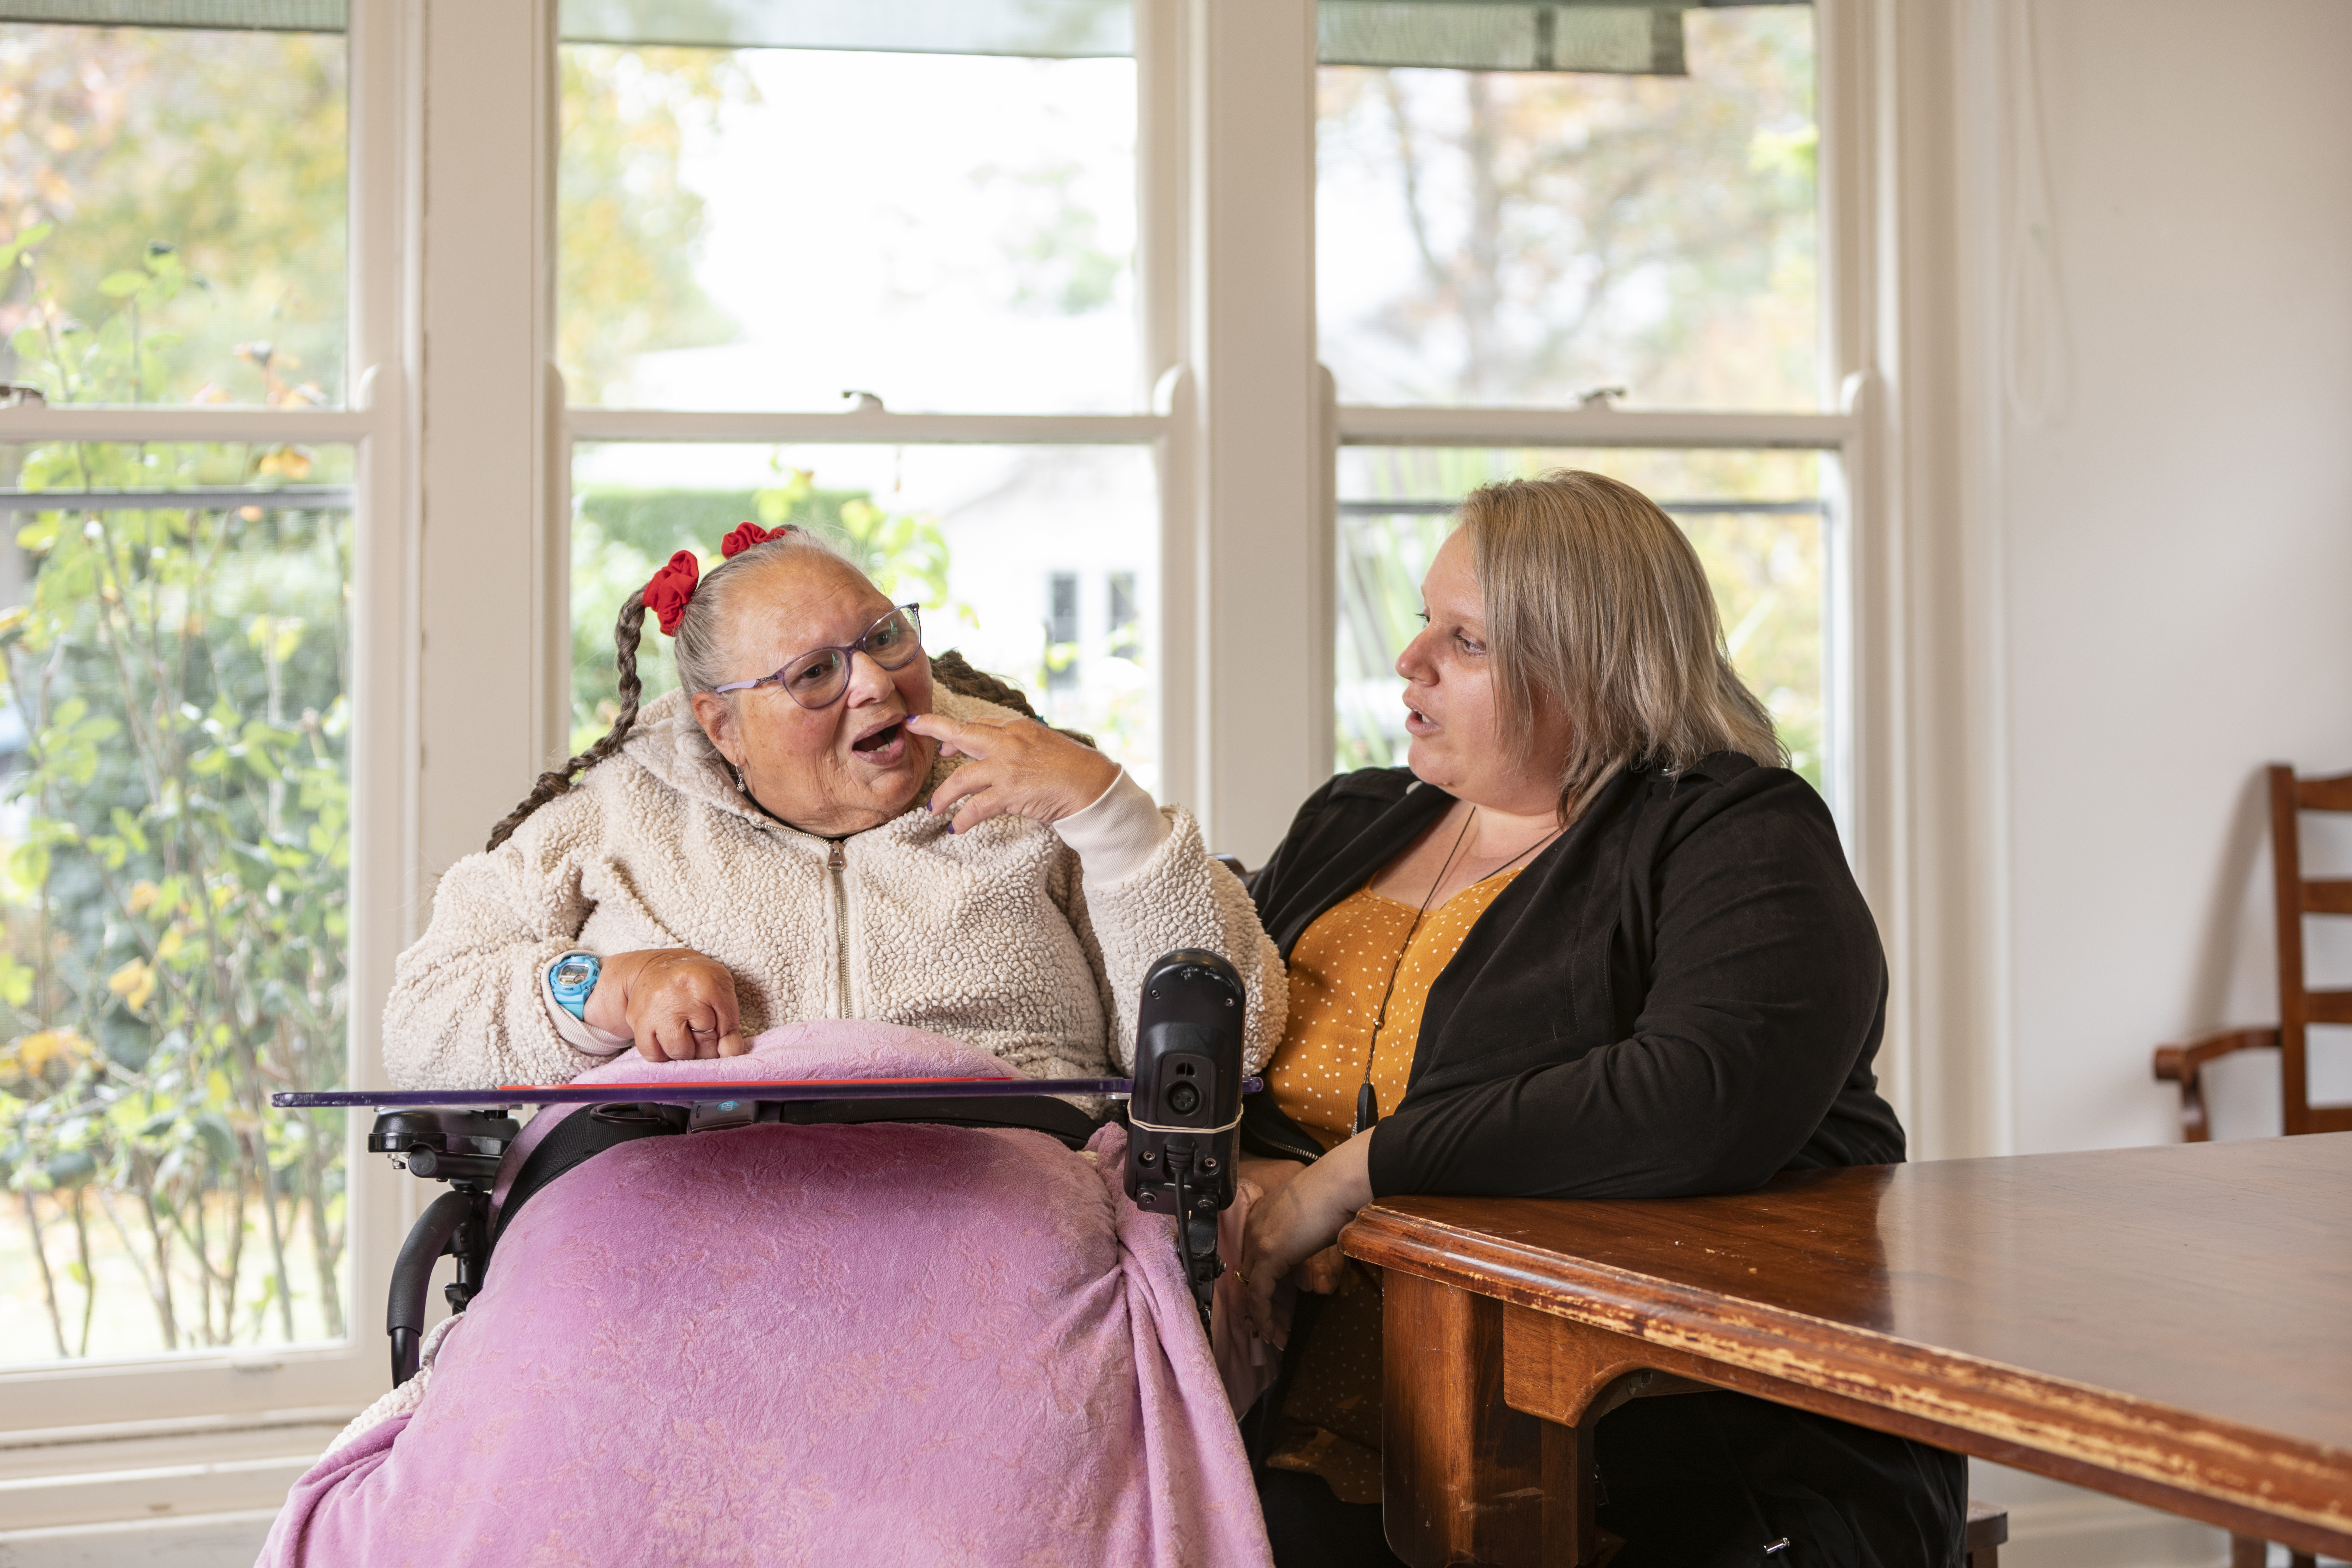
{"points": [[1595, 942]]}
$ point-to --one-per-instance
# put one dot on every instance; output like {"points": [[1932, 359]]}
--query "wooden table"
{"points": [[2172, 1325]]}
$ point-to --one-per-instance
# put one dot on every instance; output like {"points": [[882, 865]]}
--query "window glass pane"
{"points": [[1522, 236], [171, 214], [1040, 564], [174, 855], [1756, 518], [766, 227]]}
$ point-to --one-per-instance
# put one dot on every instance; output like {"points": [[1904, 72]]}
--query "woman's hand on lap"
{"points": [[1016, 769], [1298, 1224], [675, 1002]]}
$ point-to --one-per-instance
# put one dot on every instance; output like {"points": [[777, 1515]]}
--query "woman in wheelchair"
{"points": [[821, 1339], [811, 827]]}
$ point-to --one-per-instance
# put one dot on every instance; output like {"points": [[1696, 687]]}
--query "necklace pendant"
{"points": [[1368, 1107]]}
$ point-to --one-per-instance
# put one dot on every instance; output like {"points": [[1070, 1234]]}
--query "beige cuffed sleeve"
{"points": [[469, 1007], [1175, 896]]}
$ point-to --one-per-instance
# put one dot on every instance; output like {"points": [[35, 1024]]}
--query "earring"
{"points": [[738, 780]]}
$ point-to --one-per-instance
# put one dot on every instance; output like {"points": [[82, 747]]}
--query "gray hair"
{"points": [[701, 648], [702, 631]]}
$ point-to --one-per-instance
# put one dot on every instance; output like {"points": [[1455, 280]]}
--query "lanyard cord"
{"points": [[1368, 1099]]}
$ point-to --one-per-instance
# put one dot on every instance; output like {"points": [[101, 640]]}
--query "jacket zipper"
{"points": [[838, 864]]}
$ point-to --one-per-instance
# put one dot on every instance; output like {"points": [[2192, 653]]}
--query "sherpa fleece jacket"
{"points": [[1028, 940]]}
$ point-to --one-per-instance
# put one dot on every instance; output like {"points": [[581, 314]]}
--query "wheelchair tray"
{"points": [[703, 1092]]}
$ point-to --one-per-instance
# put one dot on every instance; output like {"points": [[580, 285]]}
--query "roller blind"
{"points": [[1048, 28], [1497, 35], [1637, 39], [241, 15], [1467, 35], [1045, 29]]}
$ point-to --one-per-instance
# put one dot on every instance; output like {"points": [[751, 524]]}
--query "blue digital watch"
{"points": [[571, 979]]}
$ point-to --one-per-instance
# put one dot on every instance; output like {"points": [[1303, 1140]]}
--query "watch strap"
{"points": [[571, 994]]}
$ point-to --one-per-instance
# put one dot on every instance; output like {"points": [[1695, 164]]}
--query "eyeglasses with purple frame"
{"points": [[818, 678]]}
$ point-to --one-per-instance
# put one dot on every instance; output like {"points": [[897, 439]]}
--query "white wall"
{"points": [[2167, 544], [2172, 539]]}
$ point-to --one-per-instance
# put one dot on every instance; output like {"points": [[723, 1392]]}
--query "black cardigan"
{"points": [[1682, 993]]}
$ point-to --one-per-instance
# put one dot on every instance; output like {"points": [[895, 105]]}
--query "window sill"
{"points": [[208, 1467]]}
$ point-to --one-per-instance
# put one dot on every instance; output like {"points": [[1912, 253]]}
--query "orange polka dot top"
{"points": [[1339, 968]]}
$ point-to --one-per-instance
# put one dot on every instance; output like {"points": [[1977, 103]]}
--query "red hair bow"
{"points": [[669, 590], [744, 535]]}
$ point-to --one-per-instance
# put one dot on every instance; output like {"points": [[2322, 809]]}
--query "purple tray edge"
{"points": [[694, 1093]]}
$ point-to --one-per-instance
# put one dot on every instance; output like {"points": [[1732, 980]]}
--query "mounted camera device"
{"points": [[1182, 1142]]}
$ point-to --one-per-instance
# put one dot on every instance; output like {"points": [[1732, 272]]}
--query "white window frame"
{"points": [[1849, 427], [1237, 418], [462, 681], [152, 1397]]}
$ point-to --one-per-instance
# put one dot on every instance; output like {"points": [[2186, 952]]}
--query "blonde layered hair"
{"points": [[1598, 606]]}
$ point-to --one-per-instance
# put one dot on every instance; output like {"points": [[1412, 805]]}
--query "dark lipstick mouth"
{"points": [[880, 739]]}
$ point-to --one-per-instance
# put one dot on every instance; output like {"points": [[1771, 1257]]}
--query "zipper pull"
{"points": [[835, 861]]}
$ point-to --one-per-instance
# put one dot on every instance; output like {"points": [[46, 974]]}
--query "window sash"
{"points": [[249, 1384], [1843, 436]]}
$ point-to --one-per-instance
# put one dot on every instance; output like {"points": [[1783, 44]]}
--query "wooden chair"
{"points": [[2245, 1551], [1988, 1529], [2299, 1005]]}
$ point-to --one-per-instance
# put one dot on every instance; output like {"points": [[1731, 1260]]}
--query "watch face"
{"points": [[575, 972]]}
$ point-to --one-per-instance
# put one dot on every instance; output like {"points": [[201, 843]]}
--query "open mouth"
{"points": [[876, 743]]}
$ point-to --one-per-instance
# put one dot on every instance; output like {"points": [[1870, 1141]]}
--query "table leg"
{"points": [[1465, 1478], [1487, 1423]]}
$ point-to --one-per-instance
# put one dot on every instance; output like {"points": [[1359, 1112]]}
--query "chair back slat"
{"points": [[2332, 896], [2324, 794], [2299, 1005], [2327, 1007]]}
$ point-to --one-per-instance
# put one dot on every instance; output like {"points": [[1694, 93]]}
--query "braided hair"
{"points": [[626, 632]]}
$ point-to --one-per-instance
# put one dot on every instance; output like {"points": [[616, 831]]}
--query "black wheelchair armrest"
{"points": [[462, 1148], [441, 1229]]}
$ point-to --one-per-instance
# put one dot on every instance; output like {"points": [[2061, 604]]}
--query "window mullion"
{"points": [[1263, 688]]}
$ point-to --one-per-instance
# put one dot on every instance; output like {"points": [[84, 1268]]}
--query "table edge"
{"points": [[2105, 1428]]}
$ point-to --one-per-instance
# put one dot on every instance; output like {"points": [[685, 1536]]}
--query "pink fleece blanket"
{"points": [[869, 1345]]}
